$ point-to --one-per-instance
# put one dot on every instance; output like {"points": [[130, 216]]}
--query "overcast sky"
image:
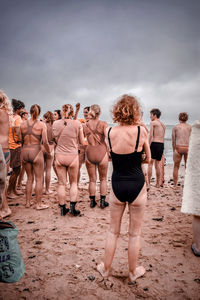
{"points": [[88, 51]]}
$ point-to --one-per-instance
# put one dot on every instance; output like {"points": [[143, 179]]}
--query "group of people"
{"points": [[65, 142]]}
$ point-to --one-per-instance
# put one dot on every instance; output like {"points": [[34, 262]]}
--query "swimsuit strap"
{"points": [[30, 131], [138, 137], [109, 138]]}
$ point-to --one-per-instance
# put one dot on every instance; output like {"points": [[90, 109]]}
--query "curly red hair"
{"points": [[127, 110]]}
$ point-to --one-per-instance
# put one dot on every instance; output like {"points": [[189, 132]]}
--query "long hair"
{"points": [[5, 104], [35, 111]]}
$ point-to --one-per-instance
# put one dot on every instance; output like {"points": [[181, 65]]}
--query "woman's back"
{"points": [[94, 131], [32, 132], [67, 132]]}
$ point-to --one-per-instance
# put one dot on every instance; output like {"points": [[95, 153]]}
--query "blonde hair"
{"points": [[49, 117], [6, 105], [94, 111], [67, 111], [127, 110]]}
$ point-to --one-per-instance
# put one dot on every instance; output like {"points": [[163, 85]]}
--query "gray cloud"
{"points": [[55, 52]]}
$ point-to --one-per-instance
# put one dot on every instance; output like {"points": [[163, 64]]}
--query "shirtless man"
{"points": [[5, 122], [180, 142], [156, 142]]}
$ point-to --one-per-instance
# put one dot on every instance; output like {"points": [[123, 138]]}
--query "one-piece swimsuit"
{"points": [[127, 177], [29, 152]]}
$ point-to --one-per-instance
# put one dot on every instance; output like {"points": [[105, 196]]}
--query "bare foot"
{"points": [[41, 206], [28, 205], [139, 272], [5, 213], [11, 196], [19, 193], [48, 192], [100, 268]]}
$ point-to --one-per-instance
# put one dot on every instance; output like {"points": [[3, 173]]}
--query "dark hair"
{"points": [[183, 117], [59, 113], [156, 112], [49, 117], [87, 107], [17, 104], [35, 111], [22, 113]]}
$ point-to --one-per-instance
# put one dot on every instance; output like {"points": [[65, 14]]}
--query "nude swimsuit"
{"points": [[127, 177], [29, 152], [95, 153]]}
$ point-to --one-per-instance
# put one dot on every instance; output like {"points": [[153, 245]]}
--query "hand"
{"points": [[78, 106]]}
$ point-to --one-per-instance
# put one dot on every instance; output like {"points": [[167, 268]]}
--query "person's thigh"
{"points": [[116, 212], [91, 168], [177, 158], [73, 170], [136, 210], [38, 166], [103, 167]]}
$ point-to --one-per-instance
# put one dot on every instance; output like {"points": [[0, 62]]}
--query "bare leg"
{"points": [[12, 193], [29, 184], [38, 168], [162, 170], [136, 210], [177, 159], [103, 169], [91, 168], [116, 212], [157, 167], [21, 176], [5, 210], [62, 181], [150, 166], [185, 159], [49, 162], [196, 232], [73, 175]]}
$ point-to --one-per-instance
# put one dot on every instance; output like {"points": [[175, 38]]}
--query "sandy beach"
{"points": [[61, 253]]}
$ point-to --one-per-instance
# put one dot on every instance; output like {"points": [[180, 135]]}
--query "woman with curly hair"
{"points": [[48, 119], [68, 134], [33, 134], [96, 155], [127, 143]]}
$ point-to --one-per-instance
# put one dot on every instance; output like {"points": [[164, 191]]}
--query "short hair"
{"points": [[35, 111], [127, 110], [17, 104], [94, 111], [68, 110], [156, 112], [22, 113], [59, 113], [49, 117], [183, 116]]}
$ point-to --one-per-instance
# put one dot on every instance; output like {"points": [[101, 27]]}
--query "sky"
{"points": [[88, 51]]}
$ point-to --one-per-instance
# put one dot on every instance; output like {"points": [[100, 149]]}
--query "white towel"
{"points": [[191, 190]]}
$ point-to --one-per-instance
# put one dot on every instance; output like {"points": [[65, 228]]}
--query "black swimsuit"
{"points": [[127, 177]]}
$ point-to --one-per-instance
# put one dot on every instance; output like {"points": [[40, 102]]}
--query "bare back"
{"points": [[97, 128], [157, 131], [38, 129], [4, 129], [181, 134]]}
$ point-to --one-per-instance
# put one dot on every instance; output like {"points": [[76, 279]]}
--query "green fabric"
{"points": [[11, 261]]}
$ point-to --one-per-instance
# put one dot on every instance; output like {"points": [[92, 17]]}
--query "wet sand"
{"points": [[61, 253]]}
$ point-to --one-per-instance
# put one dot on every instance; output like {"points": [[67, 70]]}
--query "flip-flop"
{"points": [[195, 251]]}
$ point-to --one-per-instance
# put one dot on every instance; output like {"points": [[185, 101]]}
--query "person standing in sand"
{"points": [[68, 134], [127, 142], [96, 155], [15, 149], [191, 191], [180, 141], [156, 142], [6, 121], [33, 132], [48, 159]]}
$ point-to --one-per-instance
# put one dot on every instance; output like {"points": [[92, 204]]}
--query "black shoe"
{"points": [[103, 203], [63, 210], [74, 212], [92, 203]]}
